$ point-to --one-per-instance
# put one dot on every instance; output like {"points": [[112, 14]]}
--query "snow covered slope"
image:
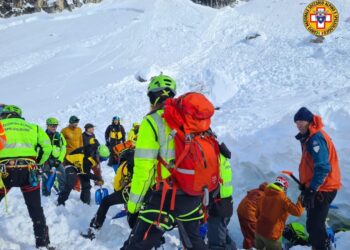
{"points": [[84, 63]]}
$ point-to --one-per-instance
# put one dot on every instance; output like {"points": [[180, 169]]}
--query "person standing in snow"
{"points": [[90, 138], [221, 206], [73, 135], [19, 160], [88, 135], [153, 143], [272, 213], [56, 158], [114, 134], [319, 174], [246, 212]]}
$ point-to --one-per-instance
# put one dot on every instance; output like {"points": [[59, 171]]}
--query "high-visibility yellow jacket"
{"points": [[226, 187], [23, 139], [153, 140]]}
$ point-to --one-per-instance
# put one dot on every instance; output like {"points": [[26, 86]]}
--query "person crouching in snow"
{"points": [[272, 213], [79, 163], [246, 213], [121, 185]]}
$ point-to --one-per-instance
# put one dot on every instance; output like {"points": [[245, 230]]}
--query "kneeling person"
{"points": [[81, 161]]}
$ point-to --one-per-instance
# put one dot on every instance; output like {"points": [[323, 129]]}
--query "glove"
{"points": [[302, 187], [308, 198], [132, 218]]}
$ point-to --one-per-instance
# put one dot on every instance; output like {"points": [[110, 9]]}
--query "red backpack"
{"points": [[197, 167]]}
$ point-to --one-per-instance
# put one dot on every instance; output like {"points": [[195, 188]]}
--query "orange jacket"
{"points": [[2, 137], [306, 168], [73, 137], [248, 206], [273, 211]]}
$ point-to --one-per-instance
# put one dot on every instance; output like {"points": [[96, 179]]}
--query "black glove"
{"points": [[308, 198], [132, 218]]}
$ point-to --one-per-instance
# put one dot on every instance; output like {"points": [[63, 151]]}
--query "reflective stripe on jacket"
{"points": [[153, 140], [23, 139]]}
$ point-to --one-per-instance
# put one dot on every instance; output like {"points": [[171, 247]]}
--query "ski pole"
{"points": [[289, 173]]}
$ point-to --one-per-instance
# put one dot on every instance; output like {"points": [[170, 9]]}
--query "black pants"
{"points": [[316, 218], [71, 177], [19, 177], [183, 205], [112, 199]]}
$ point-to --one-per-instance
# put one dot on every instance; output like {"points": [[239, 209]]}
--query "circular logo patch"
{"points": [[320, 18]]}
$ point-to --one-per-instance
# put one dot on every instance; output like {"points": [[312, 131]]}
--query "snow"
{"points": [[84, 63]]}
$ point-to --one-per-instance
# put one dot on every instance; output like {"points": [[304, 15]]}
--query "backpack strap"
{"points": [[152, 127]]}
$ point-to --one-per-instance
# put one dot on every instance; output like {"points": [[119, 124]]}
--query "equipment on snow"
{"points": [[100, 194], [51, 179]]}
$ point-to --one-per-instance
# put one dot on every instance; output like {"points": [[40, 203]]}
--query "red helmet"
{"points": [[282, 181]]}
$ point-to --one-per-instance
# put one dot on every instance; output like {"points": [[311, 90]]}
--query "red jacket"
{"points": [[306, 168], [273, 211]]}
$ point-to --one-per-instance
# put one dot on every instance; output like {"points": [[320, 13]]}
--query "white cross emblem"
{"points": [[321, 18]]}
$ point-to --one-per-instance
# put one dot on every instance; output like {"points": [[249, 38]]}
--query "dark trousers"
{"points": [[112, 199], [218, 237], [71, 177], [183, 205], [19, 177], [316, 218]]}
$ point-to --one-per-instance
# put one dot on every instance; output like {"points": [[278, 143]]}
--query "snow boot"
{"points": [[92, 231]]}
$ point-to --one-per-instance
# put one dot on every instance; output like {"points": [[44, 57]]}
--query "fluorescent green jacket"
{"points": [[23, 138], [226, 187], [59, 145], [153, 139]]}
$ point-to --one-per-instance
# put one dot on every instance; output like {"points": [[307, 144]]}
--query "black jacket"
{"points": [[111, 135]]}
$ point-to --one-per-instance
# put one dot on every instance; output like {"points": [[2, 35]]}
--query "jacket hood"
{"points": [[316, 125]]}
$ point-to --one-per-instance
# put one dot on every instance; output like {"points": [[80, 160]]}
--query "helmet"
{"points": [[51, 121], [103, 151], [281, 180], [162, 82], [73, 119], [135, 124], [116, 118], [11, 109]]}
